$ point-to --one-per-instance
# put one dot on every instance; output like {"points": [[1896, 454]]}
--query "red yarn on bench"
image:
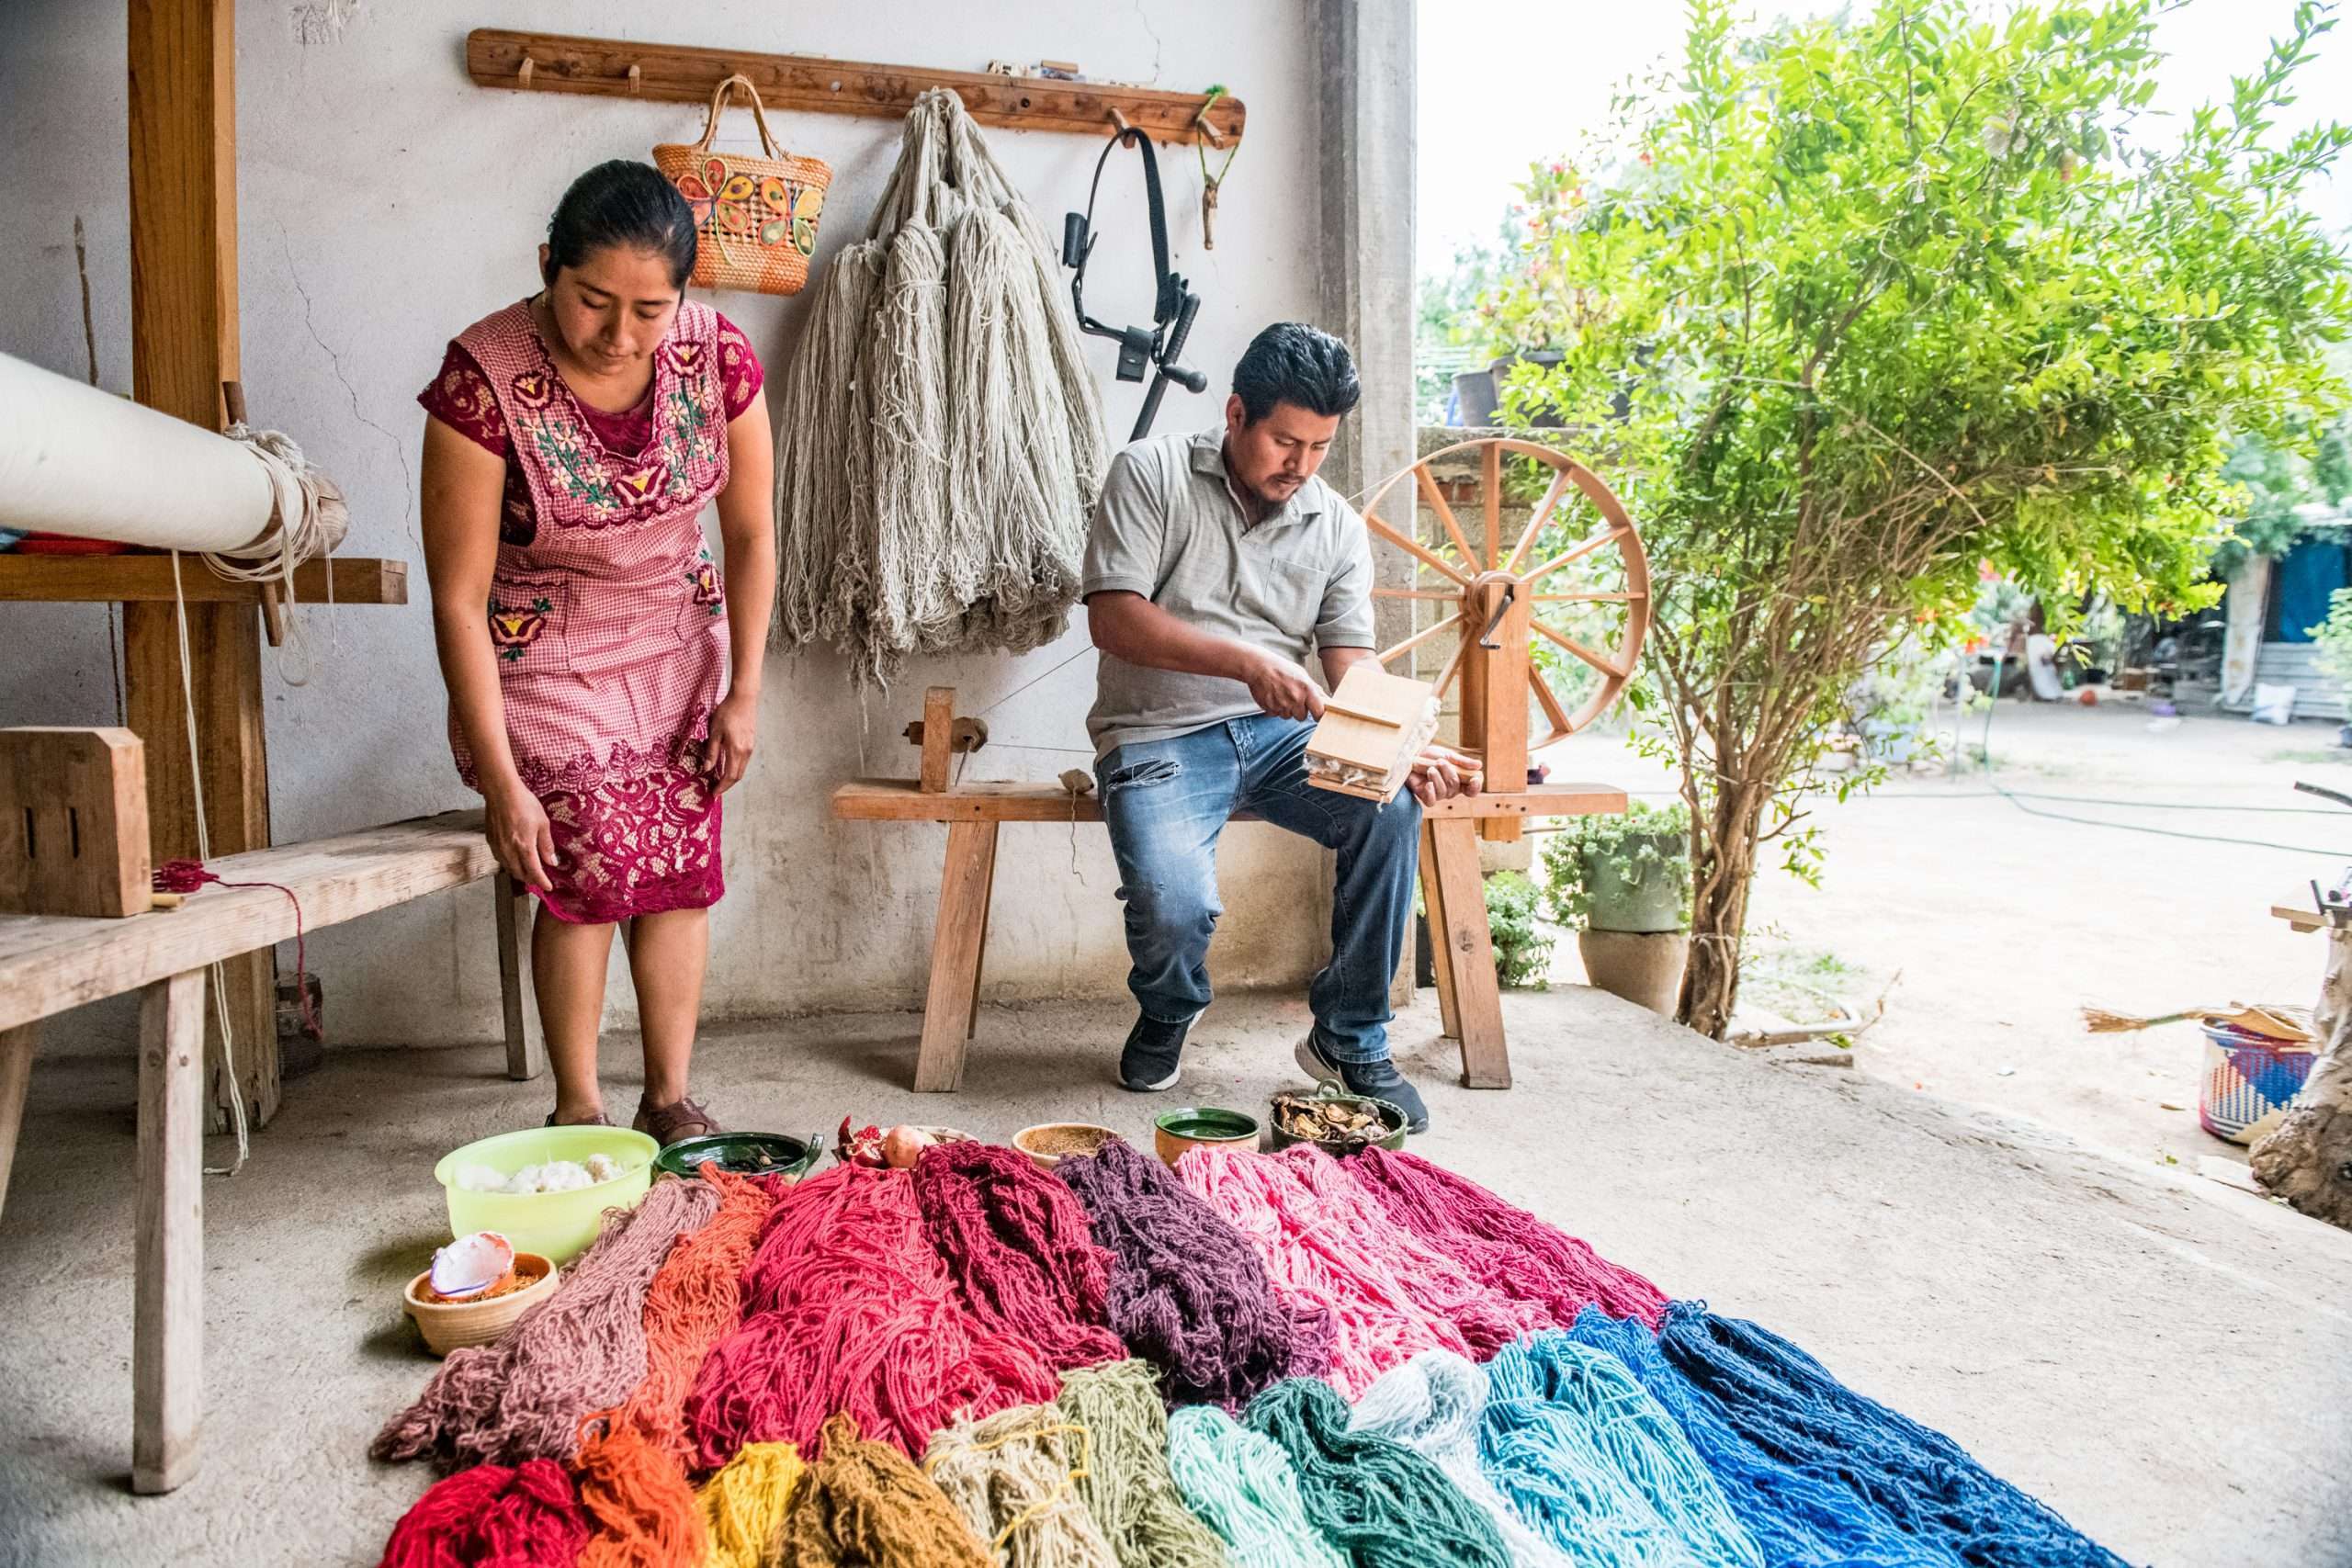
{"points": [[188, 876]]}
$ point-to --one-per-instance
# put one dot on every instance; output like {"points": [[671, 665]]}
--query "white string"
{"points": [[218, 975], [308, 518]]}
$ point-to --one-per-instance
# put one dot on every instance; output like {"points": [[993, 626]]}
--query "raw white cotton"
{"points": [[555, 1175], [939, 442]]}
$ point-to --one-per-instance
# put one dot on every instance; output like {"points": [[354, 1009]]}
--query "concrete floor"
{"points": [[2161, 1358]]}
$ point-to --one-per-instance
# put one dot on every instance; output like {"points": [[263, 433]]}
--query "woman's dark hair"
{"points": [[1291, 362], [622, 203]]}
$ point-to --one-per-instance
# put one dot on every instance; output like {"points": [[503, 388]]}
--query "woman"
{"points": [[572, 442]]}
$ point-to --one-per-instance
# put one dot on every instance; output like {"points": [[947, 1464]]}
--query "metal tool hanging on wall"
{"points": [[1174, 306]]}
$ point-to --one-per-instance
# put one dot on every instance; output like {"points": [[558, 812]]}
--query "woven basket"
{"points": [[2249, 1081], [755, 218]]}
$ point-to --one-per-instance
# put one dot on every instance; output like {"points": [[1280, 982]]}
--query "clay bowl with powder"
{"points": [[1049, 1143], [452, 1324]]}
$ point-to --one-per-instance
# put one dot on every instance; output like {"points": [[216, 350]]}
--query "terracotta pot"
{"points": [[1644, 967]]}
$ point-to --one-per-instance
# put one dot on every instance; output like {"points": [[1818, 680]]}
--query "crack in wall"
{"points": [[1143, 16], [334, 361]]}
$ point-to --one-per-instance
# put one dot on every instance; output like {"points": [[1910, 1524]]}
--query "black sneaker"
{"points": [[1150, 1061], [1379, 1079]]}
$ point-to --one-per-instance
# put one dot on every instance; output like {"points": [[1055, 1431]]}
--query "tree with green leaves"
{"points": [[1880, 301]]}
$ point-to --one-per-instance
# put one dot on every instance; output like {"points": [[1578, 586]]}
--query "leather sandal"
{"points": [[683, 1118], [598, 1119]]}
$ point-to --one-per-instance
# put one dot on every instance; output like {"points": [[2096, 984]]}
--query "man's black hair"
{"points": [[1291, 362], [622, 203]]}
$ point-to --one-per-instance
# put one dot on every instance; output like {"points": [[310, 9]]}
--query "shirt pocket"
{"points": [[529, 617], [1286, 591], [705, 603]]}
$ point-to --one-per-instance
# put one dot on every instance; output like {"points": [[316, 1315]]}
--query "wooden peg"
{"points": [[1208, 132], [636, 81], [1120, 120], [523, 73]]}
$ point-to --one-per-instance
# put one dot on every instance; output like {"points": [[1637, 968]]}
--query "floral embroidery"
{"points": [[533, 389], [704, 578], [635, 846], [513, 629]]}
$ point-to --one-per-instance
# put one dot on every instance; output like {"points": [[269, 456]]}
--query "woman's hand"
{"points": [[734, 726], [516, 826]]}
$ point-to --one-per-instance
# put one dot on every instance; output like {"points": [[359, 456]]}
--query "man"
{"points": [[1213, 560]]}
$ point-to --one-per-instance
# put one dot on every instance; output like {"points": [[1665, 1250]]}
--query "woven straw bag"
{"points": [[755, 218]]}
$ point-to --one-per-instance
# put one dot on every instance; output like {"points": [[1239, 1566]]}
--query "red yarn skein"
{"points": [[1020, 1247], [491, 1516]]}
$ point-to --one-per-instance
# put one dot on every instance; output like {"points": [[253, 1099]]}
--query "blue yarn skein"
{"points": [[1560, 1412], [1244, 1486], [1431, 1404], [1799, 1519], [1789, 1404]]}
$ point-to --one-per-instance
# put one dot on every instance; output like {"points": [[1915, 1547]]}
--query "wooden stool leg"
{"points": [[980, 953], [1441, 950], [167, 1336], [947, 1011], [526, 1050], [15, 1075], [1477, 994]]}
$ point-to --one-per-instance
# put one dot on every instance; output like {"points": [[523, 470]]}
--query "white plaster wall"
{"points": [[386, 202]]}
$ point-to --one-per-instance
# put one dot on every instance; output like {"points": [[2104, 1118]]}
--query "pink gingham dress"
{"points": [[605, 607]]}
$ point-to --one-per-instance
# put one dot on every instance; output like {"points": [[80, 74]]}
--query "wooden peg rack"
{"points": [[553, 62]]}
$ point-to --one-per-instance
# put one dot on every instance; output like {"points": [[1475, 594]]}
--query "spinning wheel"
{"points": [[1495, 605]]}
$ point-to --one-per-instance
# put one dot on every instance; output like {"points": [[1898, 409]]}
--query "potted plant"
{"points": [[1523, 950], [1624, 882]]}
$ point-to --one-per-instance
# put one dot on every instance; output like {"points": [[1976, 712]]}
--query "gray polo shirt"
{"points": [[1169, 527]]}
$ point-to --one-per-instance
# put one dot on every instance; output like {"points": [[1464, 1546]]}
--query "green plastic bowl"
{"points": [[742, 1154], [557, 1225]]}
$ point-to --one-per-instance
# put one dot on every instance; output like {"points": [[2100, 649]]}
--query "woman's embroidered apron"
{"points": [[609, 623]]}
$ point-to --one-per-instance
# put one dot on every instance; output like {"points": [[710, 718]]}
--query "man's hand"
{"points": [[1283, 690], [1440, 772]]}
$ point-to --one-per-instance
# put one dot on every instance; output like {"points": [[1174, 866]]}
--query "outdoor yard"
{"points": [[1994, 924]]}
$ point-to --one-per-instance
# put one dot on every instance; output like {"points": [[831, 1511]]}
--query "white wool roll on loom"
{"points": [[76, 461]]}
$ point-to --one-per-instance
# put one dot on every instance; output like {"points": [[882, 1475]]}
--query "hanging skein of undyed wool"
{"points": [[1327, 1240], [864, 1505], [914, 588], [1380, 1503], [1188, 1292], [823, 401], [631, 1469], [1018, 1245], [1125, 1484], [1244, 1488], [1799, 1521], [1431, 1404], [521, 1517], [1790, 1406], [1562, 1421], [1502, 1246], [849, 1309], [744, 1504], [1014, 1477], [580, 1350]]}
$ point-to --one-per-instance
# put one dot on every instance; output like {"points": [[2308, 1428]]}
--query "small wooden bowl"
{"points": [[1202, 1127], [1033, 1140], [450, 1325]]}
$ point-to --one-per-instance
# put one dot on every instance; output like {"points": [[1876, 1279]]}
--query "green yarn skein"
{"points": [[1380, 1503], [1244, 1486], [1127, 1487]]}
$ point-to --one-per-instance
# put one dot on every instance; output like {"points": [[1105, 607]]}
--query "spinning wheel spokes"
{"points": [[1496, 606]]}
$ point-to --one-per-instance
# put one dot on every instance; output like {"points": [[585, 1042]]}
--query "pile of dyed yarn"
{"points": [[1276, 1361]]}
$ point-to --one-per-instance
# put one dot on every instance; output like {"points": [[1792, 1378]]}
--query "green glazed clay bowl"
{"points": [[742, 1154], [1202, 1127]]}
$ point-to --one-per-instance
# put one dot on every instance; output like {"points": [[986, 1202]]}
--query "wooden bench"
{"points": [[48, 964], [1469, 997]]}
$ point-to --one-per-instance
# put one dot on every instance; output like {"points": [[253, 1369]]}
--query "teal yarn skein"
{"points": [[1433, 1405], [1380, 1503], [1587, 1457], [1245, 1489]]}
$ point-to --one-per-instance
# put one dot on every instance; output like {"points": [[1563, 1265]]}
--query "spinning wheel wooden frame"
{"points": [[1495, 602]]}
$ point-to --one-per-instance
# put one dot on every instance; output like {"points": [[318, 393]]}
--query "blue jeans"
{"points": [[1166, 802]]}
